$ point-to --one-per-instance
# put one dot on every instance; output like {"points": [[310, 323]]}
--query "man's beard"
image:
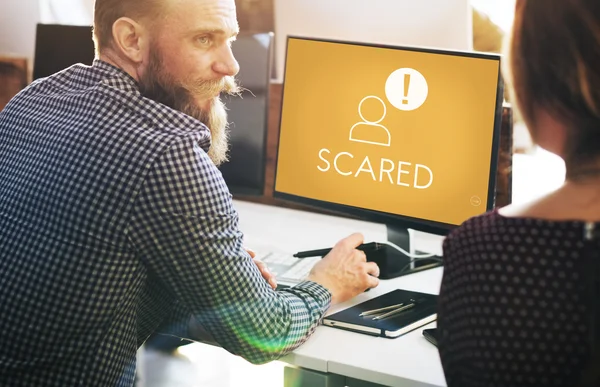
{"points": [[182, 95]]}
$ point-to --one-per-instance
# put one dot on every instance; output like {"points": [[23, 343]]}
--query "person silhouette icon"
{"points": [[371, 132]]}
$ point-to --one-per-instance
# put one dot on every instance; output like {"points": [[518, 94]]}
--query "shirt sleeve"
{"points": [[177, 323], [186, 231]]}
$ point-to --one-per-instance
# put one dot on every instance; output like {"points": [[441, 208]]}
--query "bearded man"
{"points": [[114, 220]]}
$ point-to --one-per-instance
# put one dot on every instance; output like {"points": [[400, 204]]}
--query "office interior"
{"points": [[523, 172]]}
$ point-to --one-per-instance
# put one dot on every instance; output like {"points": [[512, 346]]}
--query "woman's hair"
{"points": [[554, 65], [107, 12]]}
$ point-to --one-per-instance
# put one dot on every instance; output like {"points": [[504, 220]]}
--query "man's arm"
{"points": [[186, 230]]}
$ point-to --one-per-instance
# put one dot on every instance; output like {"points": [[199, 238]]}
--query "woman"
{"points": [[518, 302]]}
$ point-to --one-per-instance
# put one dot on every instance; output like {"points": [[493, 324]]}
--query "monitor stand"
{"points": [[393, 263]]}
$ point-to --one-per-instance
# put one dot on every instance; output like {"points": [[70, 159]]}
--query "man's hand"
{"points": [[345, 271], [264, 270]]}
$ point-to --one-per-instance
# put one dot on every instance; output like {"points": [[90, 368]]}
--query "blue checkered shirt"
{"points": [[114, 224]]}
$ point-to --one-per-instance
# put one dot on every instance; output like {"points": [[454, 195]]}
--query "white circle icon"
{"points": [[475, 201], [360, 105], [406, 89]]}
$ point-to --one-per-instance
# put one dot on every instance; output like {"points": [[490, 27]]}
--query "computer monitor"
{"points": [[248, 115], [60, 46], [404, 136], [445, 24]]}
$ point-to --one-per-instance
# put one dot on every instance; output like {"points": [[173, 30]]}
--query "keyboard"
{"points": [[287, 268]]}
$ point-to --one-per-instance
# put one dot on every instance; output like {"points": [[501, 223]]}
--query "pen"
{"points": [[324, 252], [312, 253], [393, 312], [376, 311]]}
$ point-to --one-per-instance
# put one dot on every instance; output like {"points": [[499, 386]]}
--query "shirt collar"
{"points": [[110, 72]]}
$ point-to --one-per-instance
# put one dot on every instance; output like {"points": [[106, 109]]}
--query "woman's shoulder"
{"points": [[487, 223], [493, 228]]}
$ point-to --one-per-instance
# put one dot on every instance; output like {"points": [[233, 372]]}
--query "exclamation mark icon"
{"points": [[406, 87]]}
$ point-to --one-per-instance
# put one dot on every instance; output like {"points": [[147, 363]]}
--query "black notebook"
{"points": [[421, 310]]}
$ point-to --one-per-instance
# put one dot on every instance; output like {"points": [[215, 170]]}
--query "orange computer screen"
{"points": [[397, 131]]}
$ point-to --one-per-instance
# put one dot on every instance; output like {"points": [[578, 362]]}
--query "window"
{"points": [[501, 12], [72, 12]]}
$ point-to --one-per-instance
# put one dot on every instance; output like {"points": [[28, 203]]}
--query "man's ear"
{"points": [[130, 39]]}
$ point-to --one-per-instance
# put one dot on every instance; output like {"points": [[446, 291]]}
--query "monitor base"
{"points": [[393, 263]]}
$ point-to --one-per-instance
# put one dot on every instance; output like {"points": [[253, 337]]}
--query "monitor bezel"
{"points": [[395, 220], [41, 52], [239, 191]]}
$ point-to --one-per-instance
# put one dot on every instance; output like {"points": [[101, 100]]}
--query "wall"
{"points": [[71, 12], [17, 27], [255, 15]]}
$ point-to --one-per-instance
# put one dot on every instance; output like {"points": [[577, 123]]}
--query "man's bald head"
{"points": [[107, 12]]}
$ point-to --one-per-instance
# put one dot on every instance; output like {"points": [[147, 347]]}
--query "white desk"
{"points": [[405, 361]]}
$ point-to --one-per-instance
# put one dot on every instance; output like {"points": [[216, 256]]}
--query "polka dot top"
{"points": [[513, 302]]}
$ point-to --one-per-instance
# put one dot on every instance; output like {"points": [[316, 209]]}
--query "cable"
{"points": [[409, 255]]}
